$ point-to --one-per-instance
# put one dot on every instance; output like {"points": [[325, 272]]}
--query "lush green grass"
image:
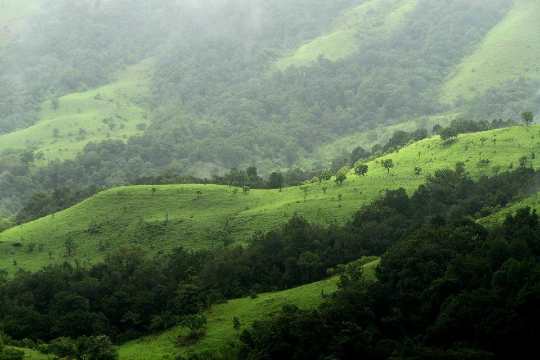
{"points": [[113, 111], [509, 52], [220, 325], [173, 215], [356, 27]]}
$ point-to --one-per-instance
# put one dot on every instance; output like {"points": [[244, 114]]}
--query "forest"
{"points": [[269, 179]]}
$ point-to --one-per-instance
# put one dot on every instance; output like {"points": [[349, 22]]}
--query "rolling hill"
{"points": [[112, 112], [352, 30], [510, 51], [220, 332], [196, 216]]}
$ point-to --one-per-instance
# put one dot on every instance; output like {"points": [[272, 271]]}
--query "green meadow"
{"points": [[353, 29], [220, 331], [114, 111], [159, 218], [510, 51]]}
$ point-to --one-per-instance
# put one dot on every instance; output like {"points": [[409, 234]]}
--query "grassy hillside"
{"points": [[114, 111], [379, 135], [532, 201], [164, 217], [510, 51], [351, 31], [220, 326]]}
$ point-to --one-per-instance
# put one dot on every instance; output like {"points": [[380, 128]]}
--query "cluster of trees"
{"points": [[462, 126], [130, 293], [450, 290]]}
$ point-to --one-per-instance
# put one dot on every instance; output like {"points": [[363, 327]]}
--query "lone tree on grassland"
{"points": [[361, 169], [388, 164], [527, 117]]}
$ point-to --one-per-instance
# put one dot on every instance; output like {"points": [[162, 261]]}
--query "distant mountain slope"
{"points": [[12, 16], [510, 51], [220, 320], [357, 26], [114, 111], [201, 216]]}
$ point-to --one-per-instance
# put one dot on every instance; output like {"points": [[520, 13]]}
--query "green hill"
{"points": [[220, 325], [510, 51], [114, 111], [352, 30], [379, 135], [196, 216]]}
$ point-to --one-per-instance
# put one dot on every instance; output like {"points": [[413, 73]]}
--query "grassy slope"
{"points": [[379, 135], [510, 51], [138, 215], [350, 31], [109, 112], [532, 201], [220, 329]]}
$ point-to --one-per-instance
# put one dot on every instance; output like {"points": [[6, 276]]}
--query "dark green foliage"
{"points": [[341, 177], [461, 126], [440, 295], [276, 180], [388, 164], [359, 153], [85, 347], [124, 297], [527, 117], [361, 169], [130, 294]]}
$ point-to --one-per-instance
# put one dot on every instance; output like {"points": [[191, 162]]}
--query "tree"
{"points": [[341, 177], [96, 348], [275, 181], [388, 164], [449, 133], [236, 324], [361, 169], [359, 153], [70, 247], [527, 118], [197, 327], [326, 175]]}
